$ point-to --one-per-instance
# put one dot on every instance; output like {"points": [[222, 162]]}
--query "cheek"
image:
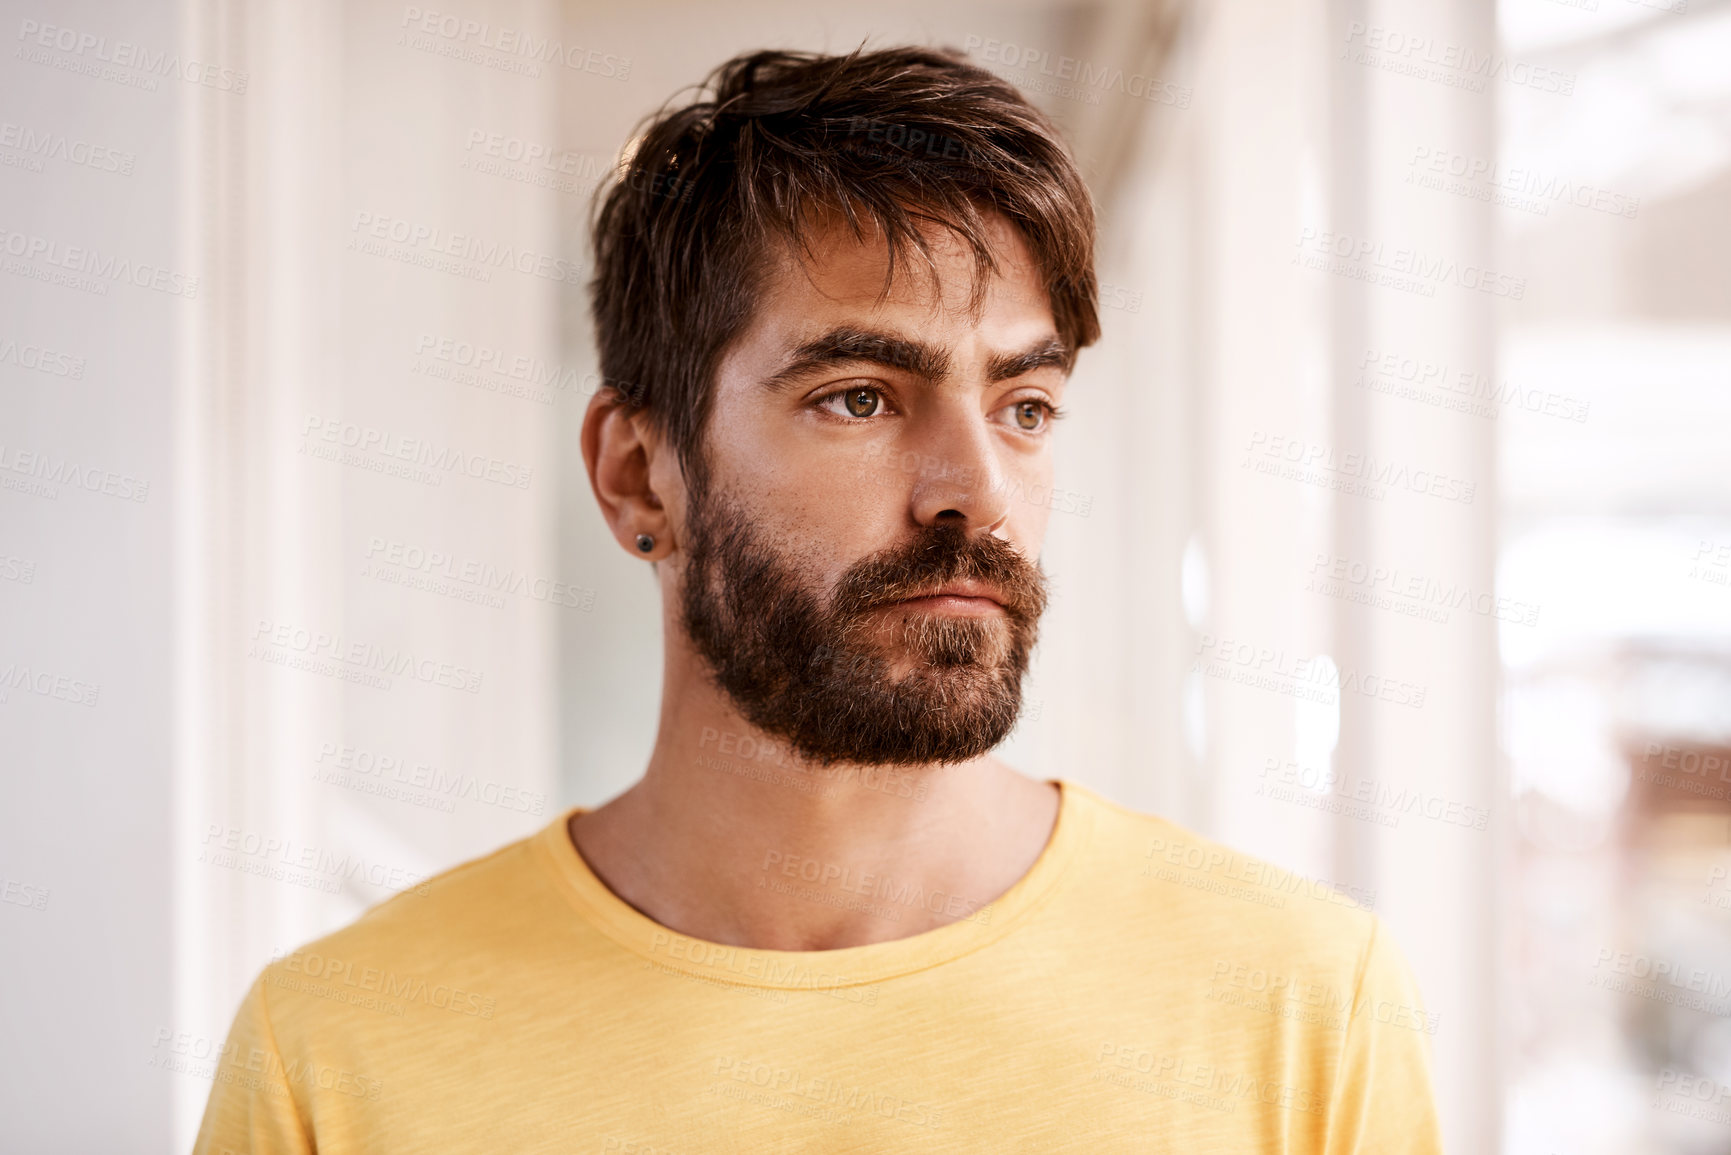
{"points": [[817, 490], [759, 451], [1033, 500], [825, 509], [845, 508]]}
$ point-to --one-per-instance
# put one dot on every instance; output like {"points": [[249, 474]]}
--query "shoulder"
{"points": [[490, 889], [432, 946], [1256, 922]]}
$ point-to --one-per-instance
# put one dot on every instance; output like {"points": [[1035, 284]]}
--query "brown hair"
{"points": [[892, 140]]}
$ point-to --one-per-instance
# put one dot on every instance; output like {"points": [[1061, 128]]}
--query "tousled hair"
{"points": [[890, 142]]}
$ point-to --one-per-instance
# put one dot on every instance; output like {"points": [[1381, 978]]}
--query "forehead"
{"points": [[836, 276]]}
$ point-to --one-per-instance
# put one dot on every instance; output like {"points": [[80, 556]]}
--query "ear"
{"points": [[619, 450]]}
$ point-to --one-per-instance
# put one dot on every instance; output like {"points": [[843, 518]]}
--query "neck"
{"points": [[731, 838]]}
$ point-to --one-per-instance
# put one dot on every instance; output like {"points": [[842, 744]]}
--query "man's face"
{"points": [[859, 567]]}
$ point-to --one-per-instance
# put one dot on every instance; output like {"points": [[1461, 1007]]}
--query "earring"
{"points": [[645, 543]]}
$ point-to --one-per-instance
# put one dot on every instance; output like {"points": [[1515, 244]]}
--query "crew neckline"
{"points": [[816, 969]]}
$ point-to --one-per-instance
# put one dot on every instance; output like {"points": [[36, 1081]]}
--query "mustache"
{"points": [[937, 555]]}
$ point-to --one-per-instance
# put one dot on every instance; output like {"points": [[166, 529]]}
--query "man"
{"points": [[837, 306]]}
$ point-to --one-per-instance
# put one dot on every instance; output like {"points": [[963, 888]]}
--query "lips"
{"points": [[978, 592], [947, 571], [963, 589]]}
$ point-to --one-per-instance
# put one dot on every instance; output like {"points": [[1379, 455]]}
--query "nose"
{"points": [[961, 476]]}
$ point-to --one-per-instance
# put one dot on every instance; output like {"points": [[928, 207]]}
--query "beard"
{"points": [[830, 678]]}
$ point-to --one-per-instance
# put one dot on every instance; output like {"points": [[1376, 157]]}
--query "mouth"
{"points": [[962, 598]]}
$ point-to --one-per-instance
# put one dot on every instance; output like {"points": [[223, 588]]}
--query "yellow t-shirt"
{"points": [[1141, 989]]}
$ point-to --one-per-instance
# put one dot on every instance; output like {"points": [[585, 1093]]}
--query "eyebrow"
{"points": [[1050, 353], [846, 345]]}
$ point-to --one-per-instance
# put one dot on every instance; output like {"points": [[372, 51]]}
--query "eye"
{"points": [[858, 402], [1030, 415]]}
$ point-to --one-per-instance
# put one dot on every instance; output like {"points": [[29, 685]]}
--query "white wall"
{"points": [[86, 631]]}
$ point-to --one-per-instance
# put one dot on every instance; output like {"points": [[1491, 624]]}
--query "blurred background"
{"points": [[1400, 551]]}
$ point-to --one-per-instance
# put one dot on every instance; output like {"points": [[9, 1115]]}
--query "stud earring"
{"points": [[645, 543]]}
